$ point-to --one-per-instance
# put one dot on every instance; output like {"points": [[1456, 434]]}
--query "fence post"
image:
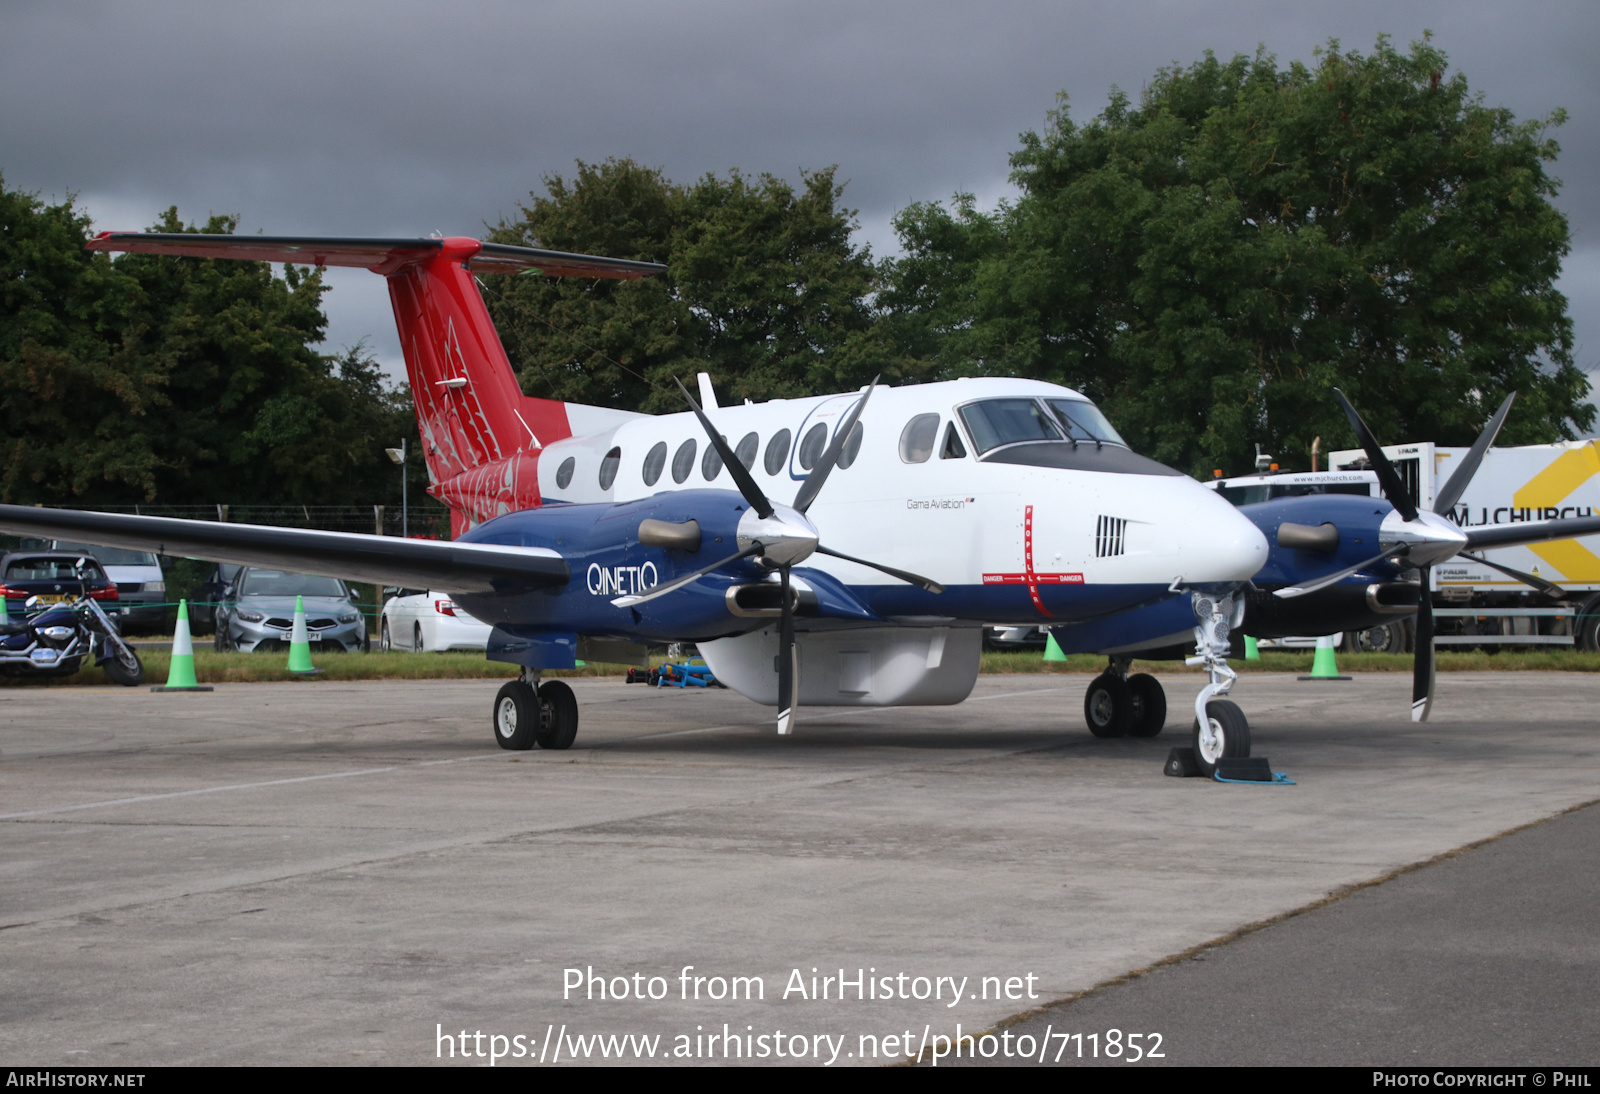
{"points": [[222, 513], [377, 520]]}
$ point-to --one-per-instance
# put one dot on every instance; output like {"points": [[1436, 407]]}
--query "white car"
{"points": [[429, 623]]}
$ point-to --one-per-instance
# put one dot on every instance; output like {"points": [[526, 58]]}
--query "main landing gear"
{"points": [[528, 713], [1120, 705]]}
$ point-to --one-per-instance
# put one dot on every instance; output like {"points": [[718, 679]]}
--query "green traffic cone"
{"points": [[1252, 652], [1323, 666], [1052, 649], [299, 644], [180, 677], [5, 617]]}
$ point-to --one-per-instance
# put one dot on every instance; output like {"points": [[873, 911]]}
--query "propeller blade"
{"points": [[788, 662], [1422, 666], [830, 455], [1333, 579], [1388, 477], [677, 583], [1548, 587], [1529, 531], [1462, 475], [927, 583], [741, 474]]}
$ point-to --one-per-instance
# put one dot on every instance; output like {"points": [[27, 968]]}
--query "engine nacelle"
{"points": [[866, 667]]}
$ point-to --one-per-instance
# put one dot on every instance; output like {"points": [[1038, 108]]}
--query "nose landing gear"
{"points": [[1220, 728]]}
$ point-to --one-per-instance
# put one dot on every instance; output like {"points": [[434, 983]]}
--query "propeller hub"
{"points": [[1432, 538], [786, 537]]}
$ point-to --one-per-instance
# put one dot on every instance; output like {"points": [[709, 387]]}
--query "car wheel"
{"points": [[1106, 706], [384, 642], [516, 716], [1587, 626], [416, 638], [1227, 736], [558, 715]]}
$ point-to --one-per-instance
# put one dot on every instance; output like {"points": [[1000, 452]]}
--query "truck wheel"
{"points": [[1384, 638], [1586, 624]]}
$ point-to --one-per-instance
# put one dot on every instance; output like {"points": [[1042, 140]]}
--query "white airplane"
{"points": [[589, 532]]}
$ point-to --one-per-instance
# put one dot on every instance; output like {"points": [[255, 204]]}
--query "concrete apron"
{"points": [[330, 874]]}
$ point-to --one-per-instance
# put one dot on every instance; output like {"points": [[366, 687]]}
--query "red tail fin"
{"points": [[481, 436]]}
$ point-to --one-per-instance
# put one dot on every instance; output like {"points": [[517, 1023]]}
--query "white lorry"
{"points": [[1529, 482]]}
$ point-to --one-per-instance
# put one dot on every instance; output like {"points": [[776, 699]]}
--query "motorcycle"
{"points": [[54, 639]]}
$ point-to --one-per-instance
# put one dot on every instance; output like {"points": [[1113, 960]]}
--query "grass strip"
{"points": [[248, 668]]}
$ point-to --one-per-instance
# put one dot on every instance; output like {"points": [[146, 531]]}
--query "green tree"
{"points": [[176, 380], [763, 289], [1210, 263]]}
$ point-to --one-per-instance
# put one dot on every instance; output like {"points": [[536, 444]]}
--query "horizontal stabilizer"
{"points": [[382, 256], [385, 560]]}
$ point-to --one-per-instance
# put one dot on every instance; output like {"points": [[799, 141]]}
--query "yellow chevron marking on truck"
{"points": [[1550, 487]]}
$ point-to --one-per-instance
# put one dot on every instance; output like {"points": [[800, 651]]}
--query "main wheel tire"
{"points": [[1384, 638], [558, 718], [1147, 705], [125, 668], [1106, 706], [385, 643], [516, 716], [1227, 737]]}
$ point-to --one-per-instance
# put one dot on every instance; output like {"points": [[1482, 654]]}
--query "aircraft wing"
{"points": [[384, 560], [382, 256]]}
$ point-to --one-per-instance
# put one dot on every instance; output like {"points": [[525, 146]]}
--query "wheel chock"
{"points": [[1249, 769], [1181, 764]]}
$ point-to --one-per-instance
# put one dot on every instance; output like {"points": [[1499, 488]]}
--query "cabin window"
{"points": [[564, 472], [608, 468], [654, 462], [746, 451], [852, 447], [995, 422], [953, 448], [916, 440], [816, 440], [711, 462], [683, 461], [777, 452]]}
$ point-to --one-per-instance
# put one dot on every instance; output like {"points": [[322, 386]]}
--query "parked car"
{"points": [[141, 585], [256, 612], [1015, 638], [203, 605], [428, 623]]}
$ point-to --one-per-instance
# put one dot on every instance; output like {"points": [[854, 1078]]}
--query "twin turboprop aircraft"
{"points": [[841, 550]]}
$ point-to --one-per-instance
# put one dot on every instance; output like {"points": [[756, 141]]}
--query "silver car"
{"points": [[256, 612]]}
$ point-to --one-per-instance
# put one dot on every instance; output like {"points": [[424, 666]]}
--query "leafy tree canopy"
{"points": [[1210, 262], [763, 290], [176, 380]]}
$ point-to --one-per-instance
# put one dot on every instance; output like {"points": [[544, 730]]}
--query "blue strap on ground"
{"points": [[1278, 779]]}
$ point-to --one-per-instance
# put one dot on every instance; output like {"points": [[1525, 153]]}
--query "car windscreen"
{"points": [[48, 569], [994, 422], [279, 583], [110, 556]]}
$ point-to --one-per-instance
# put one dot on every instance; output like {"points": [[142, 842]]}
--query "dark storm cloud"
{"points": [[404, 118]]}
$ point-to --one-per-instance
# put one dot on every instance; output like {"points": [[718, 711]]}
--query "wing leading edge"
{"points": [[386, 560]]}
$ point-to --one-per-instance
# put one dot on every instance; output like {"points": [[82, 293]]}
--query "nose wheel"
{"points": [[1226, 735]]}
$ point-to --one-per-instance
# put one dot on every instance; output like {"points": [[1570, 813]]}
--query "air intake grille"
{"points": [[1109, 535]]}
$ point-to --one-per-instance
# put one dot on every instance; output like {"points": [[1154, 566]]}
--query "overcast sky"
{"points": [[404, 118]]}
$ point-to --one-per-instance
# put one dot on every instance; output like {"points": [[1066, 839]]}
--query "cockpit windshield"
{"points": [[1083, 421], [996, 422]]}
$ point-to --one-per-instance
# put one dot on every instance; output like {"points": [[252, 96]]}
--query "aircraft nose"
{"points": [[1219, 544]]}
